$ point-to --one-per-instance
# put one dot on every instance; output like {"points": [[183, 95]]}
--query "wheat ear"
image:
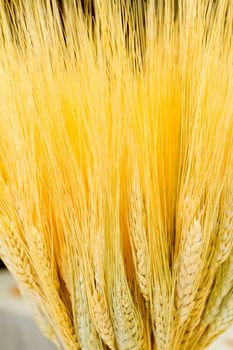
{"points": [[101, 319], [160, 317], [43, 263], [226, 230], [127, 321], [222, 321], [14, 254], [189, 271], [98, 302], [50, 283], [87, 334], [197, 311], [139, 239], [222, 286]]}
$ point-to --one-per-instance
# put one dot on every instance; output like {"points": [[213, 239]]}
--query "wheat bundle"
{"points": [[116, 169]]}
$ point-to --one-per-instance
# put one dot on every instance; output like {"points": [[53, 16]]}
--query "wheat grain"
{"points": [[189, 269]]}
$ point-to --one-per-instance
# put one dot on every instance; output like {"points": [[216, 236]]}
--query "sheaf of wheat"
{"points": [[116, 169]]}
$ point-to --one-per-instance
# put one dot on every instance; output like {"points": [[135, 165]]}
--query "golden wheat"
{"points": [[116, 169]]}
